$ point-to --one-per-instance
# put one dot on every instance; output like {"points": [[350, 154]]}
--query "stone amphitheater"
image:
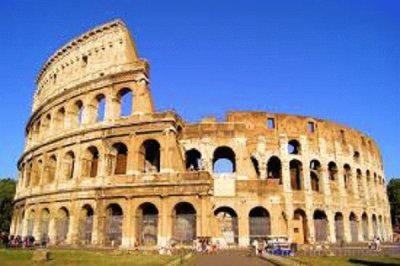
{"points": [[101, 167]]}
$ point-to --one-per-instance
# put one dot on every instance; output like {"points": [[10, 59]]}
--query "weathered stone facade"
{"points": [[104, 177]]}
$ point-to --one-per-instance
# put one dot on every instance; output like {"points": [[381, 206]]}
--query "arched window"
{"points": [[193, 160], [315, 170], [339, 227], [121, 154], [300, 228], [69, 165], [256, 165], [353, 227], [150, 153], [347, 176], [30, 223], [320, 226], [228, 226], [78, 111], [259, 223], [360, 183], [51, 174], [356, 156], [59, 120], [294, 147], [101, 107], [28, 179], [147, 224], [113, 226], [296, 174], [274, 168], [46, 124], [332, 169], [364, 221], [86, 224], [184, 228], [92, 161], [62, 225], [36, 130], [125, 97], [44, 224], [224, 160]]}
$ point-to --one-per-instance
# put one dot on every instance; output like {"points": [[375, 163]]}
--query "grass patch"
{"points": [[339, 261], [86, 258]]}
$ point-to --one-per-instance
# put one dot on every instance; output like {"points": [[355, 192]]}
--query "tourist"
{"points": [[255, 246]]}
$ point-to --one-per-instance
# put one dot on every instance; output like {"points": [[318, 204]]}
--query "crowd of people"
{"points": [[11, 241]]}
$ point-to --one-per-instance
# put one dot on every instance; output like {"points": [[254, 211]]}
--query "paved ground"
{"points": [[227, 258]]}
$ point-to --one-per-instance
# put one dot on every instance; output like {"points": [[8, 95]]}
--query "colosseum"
{"points": [[101, 167]]}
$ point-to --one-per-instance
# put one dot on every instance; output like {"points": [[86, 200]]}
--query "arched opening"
{"points": [[44, 224], [69, 165], [364, 221], [28, 174], [125, 97], [224, 160], [320, 226], [92, 161], [296, 174], [86, 224], [184, 230], [46, 124], [113, 225], [62, 225], [300, 232], [353, 227], [147, 224], [227, 224], [30, 223], [121, 154], [51, 169], [274, 169], [294, 147], [38, 170], [256, 165], [150, 152], [100, 107], [339, 227], [356, 156], [315, 171], [78, 113], [360, 183], [333, 170], [193, 160], [59, 120], [347, 176], [374, 225], [259, 223]]}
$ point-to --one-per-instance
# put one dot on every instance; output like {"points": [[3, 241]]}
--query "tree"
{"points": [[7, 193], [393, 190]]}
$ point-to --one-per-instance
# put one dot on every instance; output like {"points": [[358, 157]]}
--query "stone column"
{"points": [[243, 223], [127, 234]]}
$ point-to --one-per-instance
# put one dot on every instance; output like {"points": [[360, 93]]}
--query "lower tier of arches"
{"points": [[157, 220]]}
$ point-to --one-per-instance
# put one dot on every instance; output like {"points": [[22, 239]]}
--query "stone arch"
{"points": [[100, 107], [360, 183], [339, 227], [333, 170], [294, 147], [259, 223], [228, 225], [59, 120], [353, 227], [315, 174], [113, 225], [44, 224], [91, 162], [193, 160], [30, 222], [86, 219], [51, 169], [28, 178], [274, 169], [147, 217], [296, 174], [184, 222], [62, 225], [320, 226], [69, 165], [300, 227], [374, 225], [121, 158], [364, 223], [347, 176], [224, 160], [125, 102], [150, 156], [77, 113]]}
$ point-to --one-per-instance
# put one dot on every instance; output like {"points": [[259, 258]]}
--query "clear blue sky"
{"points": [[338, 60]]}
